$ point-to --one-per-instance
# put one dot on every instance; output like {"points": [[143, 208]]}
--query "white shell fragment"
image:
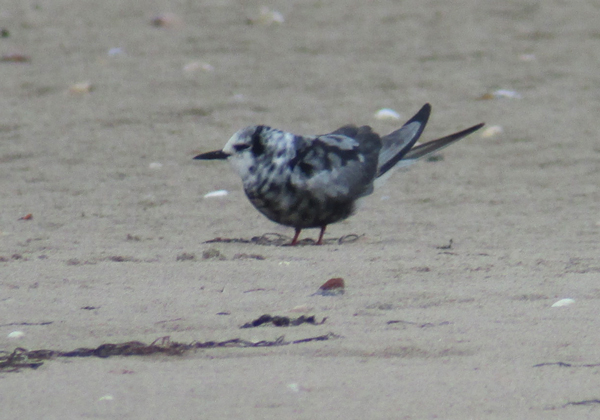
{"points": [[491, 131], [267, 17], [196, 66], [81, 87], [500, 94], [155, 165], [294, 387], [505, 93], [387, 114], [563, 302], [16, 335], [116, 51], [106, 398], [218, 193], [527, 57], [301, 309]]}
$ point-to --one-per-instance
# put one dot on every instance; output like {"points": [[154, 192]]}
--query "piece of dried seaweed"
{"points": [[282, 321], [584, 402], [22, 358], [18, 359], [276, 239], [27, 323], [563, 364]]}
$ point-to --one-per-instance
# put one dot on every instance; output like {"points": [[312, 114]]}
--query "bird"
{"points": [[312, 181]]}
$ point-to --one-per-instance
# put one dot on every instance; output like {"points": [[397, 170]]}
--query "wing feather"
{"points": [[341, 164]]}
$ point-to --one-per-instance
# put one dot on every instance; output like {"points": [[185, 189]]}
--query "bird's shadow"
{"points": [[276, 239]]}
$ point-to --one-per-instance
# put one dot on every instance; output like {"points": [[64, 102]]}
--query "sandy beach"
{"points": [[456, 264]]}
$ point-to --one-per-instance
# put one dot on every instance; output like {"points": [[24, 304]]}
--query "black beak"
{"points": [[216, 155]]}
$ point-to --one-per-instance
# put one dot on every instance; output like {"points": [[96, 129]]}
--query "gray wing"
{"points": [[397, 144], [341, 164]]}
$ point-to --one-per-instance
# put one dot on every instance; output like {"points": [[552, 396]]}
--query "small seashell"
{"points": [[15, 58], [15, 335], [387, 114], [527, 57], [491, 131], [301, 309], [332, 287], [505, 93], [267, 17], [501, 93], [239, 97], [81, 87], [155, 165], [218, 193], [116, 51], [195, 66], [166, 20], [563, 302]]}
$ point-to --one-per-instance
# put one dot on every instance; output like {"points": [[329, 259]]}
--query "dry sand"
{"points": [[116, 199]]}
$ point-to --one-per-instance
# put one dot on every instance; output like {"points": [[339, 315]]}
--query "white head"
{"points": [[256, 144]]}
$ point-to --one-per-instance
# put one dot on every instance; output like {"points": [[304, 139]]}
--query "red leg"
{"points": [[320, 241], [295, 240]]}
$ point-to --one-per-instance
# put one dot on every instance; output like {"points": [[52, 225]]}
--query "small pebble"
{"points": [[387, 114], [155, 165], [563, 302]]}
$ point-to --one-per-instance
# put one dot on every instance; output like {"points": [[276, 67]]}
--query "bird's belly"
{"points": [[290, 206]]}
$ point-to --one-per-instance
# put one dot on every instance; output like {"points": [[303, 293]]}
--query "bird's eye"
{"points": [[240, 147]]}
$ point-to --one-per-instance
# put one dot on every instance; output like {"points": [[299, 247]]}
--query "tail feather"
{"points": [[423, 150], [396, 144], [398, 151]]}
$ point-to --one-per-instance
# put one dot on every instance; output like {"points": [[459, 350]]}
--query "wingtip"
{"points": [[470, 130], [422, 115]]}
